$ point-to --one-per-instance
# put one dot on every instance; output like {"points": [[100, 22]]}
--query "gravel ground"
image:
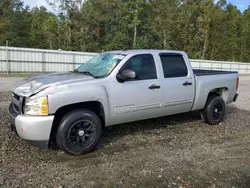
{"points": [[244, 100], [176, 151]]}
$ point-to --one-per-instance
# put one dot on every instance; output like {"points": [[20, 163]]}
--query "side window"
{"points": [[173, 65], [143, 65]]}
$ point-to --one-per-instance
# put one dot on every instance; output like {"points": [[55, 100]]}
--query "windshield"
{"points": [[101, 65]]}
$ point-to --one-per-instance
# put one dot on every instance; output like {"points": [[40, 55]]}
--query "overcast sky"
{"points": [[33, 3], [241, 4]]}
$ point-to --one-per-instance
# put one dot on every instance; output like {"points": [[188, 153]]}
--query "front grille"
{"points": [[15, 96], [16, 108], [17, 103]]}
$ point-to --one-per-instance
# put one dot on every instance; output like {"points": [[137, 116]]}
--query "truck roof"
{"points": [[140, 51]]}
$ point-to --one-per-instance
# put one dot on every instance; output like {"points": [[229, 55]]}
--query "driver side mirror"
{"points": [[126, 75]]}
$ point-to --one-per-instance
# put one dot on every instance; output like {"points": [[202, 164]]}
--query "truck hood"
{"points": [[34, 84]]}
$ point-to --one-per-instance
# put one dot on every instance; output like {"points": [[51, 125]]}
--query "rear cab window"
{"points": [[173, 65]]}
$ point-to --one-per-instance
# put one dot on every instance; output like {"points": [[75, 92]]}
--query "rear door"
{"points": [[178, 84]]}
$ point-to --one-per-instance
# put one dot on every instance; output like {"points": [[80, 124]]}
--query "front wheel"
{"points": [[79, 132], [214, 111]]}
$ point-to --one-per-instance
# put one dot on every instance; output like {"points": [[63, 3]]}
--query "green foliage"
{"points": [[14, 23], [201, 28]]}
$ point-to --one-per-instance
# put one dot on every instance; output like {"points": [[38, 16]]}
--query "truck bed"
{"points": [[199, 72]]}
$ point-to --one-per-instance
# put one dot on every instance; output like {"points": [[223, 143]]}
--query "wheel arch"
{"points": [[94, 106], [222, 92]]}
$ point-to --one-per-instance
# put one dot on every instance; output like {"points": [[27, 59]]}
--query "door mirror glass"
{"points": [[126, 75]]}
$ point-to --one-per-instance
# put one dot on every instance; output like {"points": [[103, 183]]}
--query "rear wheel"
{"points": [[79, 132], [214, 111]]}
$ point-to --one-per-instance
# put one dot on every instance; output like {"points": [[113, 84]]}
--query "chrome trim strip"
{"points": [[176, 103], [128, 109], [123, 110]]}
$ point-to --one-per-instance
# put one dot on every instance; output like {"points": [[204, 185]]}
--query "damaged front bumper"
{"points": [[35, 129]]}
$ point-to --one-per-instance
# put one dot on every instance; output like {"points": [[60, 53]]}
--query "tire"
{"points": [[214, 111], [79, 132]]}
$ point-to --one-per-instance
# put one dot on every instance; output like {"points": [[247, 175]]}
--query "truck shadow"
{"points": [[113, 140], [124, 137], [114, 133], [151, 126]]}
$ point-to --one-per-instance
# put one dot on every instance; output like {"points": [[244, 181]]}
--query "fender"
{"points": [[78, 94]]}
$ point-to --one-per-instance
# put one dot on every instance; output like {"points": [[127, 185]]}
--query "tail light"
{"points": [[237, 84]]}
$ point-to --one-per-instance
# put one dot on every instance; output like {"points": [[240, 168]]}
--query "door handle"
{"points": [[154, 87], [187, 83]]}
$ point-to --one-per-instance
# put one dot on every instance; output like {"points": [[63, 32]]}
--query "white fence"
{"points": [[27, 60], [242, 68]]}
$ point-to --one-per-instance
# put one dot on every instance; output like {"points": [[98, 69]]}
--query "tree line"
{"points": [[202, 28]]}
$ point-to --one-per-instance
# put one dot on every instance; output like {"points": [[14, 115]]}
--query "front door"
{"points": [[137, 99]]}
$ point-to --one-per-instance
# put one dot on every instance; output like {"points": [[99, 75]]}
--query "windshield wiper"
{"points": [[84, 72], [88, 73]]}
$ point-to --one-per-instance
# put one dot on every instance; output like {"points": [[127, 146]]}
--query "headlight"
{"points": [[37, 106]]}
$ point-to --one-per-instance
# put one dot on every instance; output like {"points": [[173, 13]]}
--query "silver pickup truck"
{"points": [[70, 109]]}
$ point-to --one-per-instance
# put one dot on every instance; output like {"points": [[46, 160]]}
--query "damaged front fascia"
{"points": [[36, 89]]}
